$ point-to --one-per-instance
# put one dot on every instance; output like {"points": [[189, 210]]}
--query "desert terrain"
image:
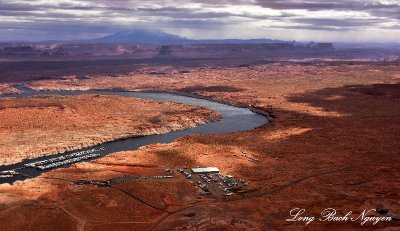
{"points": [[333, 141], [48, 124]]}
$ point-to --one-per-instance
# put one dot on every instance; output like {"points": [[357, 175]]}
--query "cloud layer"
{"points": [[336, 20]]}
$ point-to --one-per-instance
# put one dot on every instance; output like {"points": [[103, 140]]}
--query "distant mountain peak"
{"points": [[140, 35]]}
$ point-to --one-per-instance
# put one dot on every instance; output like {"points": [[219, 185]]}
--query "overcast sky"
{"points": [[302, 20]]}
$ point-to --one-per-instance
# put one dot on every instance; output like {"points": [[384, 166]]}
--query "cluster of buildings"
{"points": [[226, 184], [211, 181], [98, 183], [162, 177]]}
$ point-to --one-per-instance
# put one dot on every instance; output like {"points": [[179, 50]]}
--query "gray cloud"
{"points": [[86, 18], [338, 24], [374, 7]]}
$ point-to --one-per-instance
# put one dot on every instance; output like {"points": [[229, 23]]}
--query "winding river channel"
{"points": [[234, 119]]}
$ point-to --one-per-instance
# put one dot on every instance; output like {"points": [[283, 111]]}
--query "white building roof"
{"points": [[205, 170]]}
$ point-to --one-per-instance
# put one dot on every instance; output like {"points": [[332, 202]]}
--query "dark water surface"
{"points": [[234, 119]]}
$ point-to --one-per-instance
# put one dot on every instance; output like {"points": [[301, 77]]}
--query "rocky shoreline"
{"points": [[27, 135], [6, 89]]}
